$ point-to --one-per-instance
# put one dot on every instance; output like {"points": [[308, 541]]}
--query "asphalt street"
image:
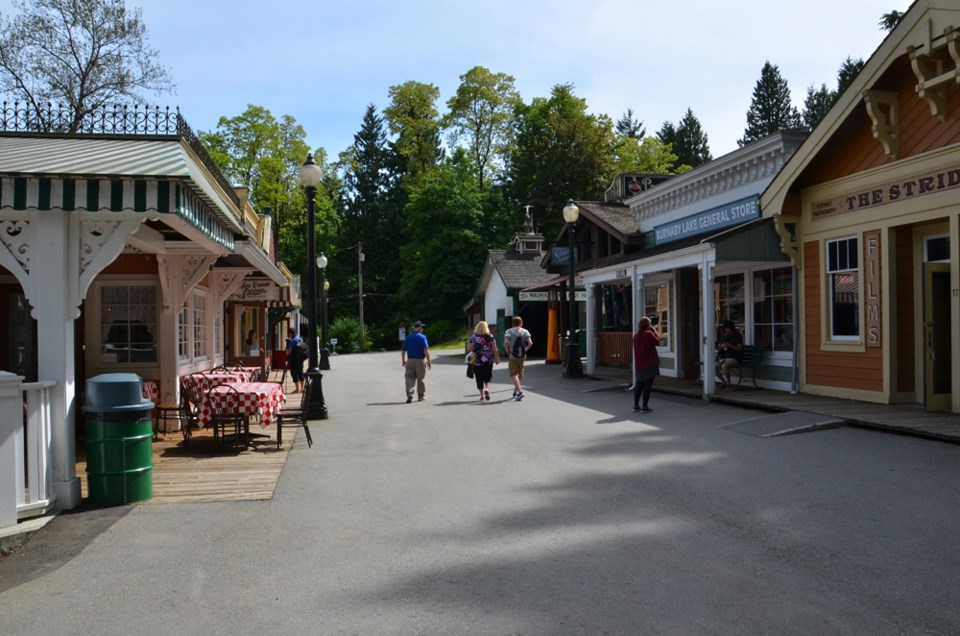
{"points": [[566, 513]]}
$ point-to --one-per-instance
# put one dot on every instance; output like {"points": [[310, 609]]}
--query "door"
{"points": [[937, 352]]}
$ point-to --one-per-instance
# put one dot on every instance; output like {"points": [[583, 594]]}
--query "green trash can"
{"points": [[119, 440]]}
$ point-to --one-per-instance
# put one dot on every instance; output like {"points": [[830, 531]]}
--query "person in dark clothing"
{"points": [[729, 352], [646, 363]]}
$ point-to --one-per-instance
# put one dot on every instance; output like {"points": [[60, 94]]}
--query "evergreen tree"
{"points": [[848, 72], [371, 219], [816, 105], [691, 145], [629, 126], [770, 109], [889, 21]]}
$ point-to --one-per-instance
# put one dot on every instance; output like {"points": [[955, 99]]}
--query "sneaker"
{"points": [[481, 399], [421, 399], [646, 409], [636, 408], [409, 399], [486, 394], [519, 396]]}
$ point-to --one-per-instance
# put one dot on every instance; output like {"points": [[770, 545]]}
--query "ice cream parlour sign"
{"points": [[257, 290], [892, 192]]}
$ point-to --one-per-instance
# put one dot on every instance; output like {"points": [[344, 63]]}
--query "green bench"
{"points": [[752, 358]]}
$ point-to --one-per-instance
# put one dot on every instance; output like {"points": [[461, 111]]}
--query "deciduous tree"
{"points": [[479, 115], [82, 55]]}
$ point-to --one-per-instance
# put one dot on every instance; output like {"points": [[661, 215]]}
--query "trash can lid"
{"points": [[115, 393]]}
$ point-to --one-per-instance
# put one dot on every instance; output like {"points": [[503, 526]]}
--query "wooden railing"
{"points": [[616, 349], [26, 480]]}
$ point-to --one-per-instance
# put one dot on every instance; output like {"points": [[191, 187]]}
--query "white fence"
{"points": [[25, 449]]}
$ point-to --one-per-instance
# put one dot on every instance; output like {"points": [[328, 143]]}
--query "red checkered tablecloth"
{"points": [[150, 390], [243, 374], [206, 381], [257, 399]]}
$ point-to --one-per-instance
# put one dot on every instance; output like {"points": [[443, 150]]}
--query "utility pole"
{"points": [[363, 338]]}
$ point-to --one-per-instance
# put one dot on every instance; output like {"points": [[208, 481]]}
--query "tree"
{"points": [[446, 249], [646, 155], [256, 151], [816, 105], [848, 72], [687, 141], [629, 126], [481, 112], [412, 116], [560, 152], [81, 55], [889, 21], [770, 109], [371, 218]]}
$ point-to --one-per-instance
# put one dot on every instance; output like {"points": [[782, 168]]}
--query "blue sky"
{"points": [[323, 62]]}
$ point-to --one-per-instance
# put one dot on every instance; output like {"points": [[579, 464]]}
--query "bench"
{"points": [[752, 358]]}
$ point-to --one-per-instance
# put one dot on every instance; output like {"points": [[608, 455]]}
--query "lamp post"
{"points": [[310, 175], [574, 368], [324, 354]]}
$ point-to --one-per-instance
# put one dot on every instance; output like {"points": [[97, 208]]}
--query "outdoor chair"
{"points": [[190, 398], [227, 416], [296, 416]]}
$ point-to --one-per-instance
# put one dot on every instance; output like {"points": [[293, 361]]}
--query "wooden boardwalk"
{"points": [[909, 419], [200, 472]]}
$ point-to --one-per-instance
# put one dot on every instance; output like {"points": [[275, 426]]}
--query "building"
{"points": [[124, 249], [867, 210]]}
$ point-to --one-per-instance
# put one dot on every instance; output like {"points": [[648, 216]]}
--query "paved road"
{"points": [[562, 514]]}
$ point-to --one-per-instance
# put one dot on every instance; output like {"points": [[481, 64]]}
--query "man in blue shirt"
{"points": [[413, 353]]}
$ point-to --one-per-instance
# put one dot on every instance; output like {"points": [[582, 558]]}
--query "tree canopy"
{"points": [[80, 55], [688, 142], [771, 109]]}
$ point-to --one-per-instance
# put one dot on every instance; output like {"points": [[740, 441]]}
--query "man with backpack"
{"points": [[297, 353], [517, 341]]}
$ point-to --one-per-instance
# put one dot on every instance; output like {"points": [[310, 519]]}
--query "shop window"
{"points": [[128, 324], [843, 278], [199, 325], [937, 249], [729, 300], [616, 307], [657, 300], [773, 309]]}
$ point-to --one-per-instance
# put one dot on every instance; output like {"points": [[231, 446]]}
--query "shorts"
{"points": [[515, 365]]}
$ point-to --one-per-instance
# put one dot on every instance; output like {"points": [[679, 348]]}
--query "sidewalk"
{"points": [[908, 419]]}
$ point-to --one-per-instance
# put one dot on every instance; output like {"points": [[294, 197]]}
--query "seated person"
{"points": [[729, 352]]}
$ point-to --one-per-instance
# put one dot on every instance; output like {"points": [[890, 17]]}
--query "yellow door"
{"points": [[937, 351]]}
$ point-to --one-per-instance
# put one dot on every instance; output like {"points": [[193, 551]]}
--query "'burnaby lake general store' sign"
{"points": [[718, 218]]}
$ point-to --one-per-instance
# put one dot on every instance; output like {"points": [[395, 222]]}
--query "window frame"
{"points": [[94, 333], [840, 269]]}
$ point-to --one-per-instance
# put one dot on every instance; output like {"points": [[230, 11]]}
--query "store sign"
{"points": [[560, 255], [891, 192], [871, 286], [718, 218], [534, 296], [257, 290]]}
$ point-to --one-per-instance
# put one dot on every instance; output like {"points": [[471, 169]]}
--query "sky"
{"points": [[323, 62]]}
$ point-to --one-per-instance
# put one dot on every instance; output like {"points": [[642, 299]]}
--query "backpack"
{"points": [[519, 346], [303, 351]]}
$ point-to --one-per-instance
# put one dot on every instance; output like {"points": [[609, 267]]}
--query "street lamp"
{"points": [[310, 175], [574, 367], [324, 354]]}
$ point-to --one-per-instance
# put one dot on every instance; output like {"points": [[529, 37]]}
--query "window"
{"points": [[657, 299], [773, 309], [615, 307], [199, 325], [937, 249], [728, 296], [183, 342], [128, 323], [843, 278]]}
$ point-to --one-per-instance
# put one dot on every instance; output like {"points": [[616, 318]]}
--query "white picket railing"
{"points": [[27, 427]]}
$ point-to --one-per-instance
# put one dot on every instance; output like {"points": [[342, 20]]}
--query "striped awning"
{"points": [[115, 195], [115, 165]]}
